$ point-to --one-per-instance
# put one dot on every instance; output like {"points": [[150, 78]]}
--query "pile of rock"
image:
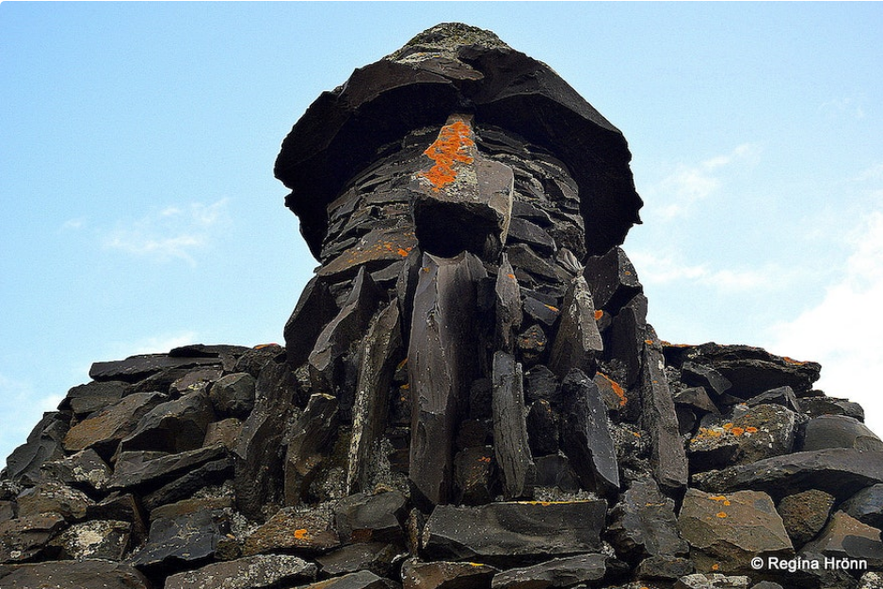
{"points": [[470, 396]]}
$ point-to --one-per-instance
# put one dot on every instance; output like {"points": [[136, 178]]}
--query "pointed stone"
{"points": [[44, 443], [25, 538], [173, 426], [381, 351], [668, 457], [313, 311], [542, 429], [508, 306], [85, 470], [441, 363], [578, 339], [346, 328], [697, 375], [586, 435], [624, 341], [847, 538], [612, 279], [510, 429], [313, 433]]}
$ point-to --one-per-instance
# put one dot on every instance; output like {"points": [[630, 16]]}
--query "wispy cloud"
{"points": [[690, 183], [175, 232], [843, 331], [668, 268], [850, 106], [74, 224]]}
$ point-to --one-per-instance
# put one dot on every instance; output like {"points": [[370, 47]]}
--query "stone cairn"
{"points": [[469, 397]]}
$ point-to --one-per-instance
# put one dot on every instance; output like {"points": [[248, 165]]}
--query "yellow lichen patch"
{"points": [[405, 386], [301, 534], [636, 434], [720, 498], [450, 147], [728, 426]]}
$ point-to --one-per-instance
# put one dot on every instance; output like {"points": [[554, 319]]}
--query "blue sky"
{"points": [[140, 212]]}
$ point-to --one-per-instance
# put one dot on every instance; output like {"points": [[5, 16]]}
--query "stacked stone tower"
{"points": [[469, 395]]}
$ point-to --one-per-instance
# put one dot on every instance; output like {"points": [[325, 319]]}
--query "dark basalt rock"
{"points": [[377, 518], [313, 433], [309, 531], [513, 455], [612, 279], [644, 523], [145, 468], [174, 426], [94, 396], [446, 575], [136, 368], [84, 574], [253, 572], [578, 339], [44, 443], [233, 394], [839, 431], [512, 533], [804, 514], [358, 580], [867, 506], [558, 572], [181, 542], [376, 557], [425, 82], [104, 431], [107, 540], [25, 538]]}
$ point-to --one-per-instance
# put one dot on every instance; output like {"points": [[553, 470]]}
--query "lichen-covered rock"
{"points": [[105, 539], [309, 530], [84, 574], [52, 497], [446, 575], [105, 430], [252, 572], [804, 514], [644, 523], [558, 572], [24, 538]]}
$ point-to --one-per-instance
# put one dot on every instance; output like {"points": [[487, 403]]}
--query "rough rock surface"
{"points": [[469, 396]]}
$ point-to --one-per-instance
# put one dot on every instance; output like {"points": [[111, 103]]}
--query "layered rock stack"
{"points": [[469, 396]]}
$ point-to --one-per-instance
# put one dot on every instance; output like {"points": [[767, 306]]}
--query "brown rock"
{"points": [[85, 574], [446, 575], [104, 431], [252, 572], [290, 528], [804, 514]]}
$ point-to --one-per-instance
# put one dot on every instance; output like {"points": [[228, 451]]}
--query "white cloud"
{"points": [[655, 268], [174, 232], [689, 184], [843, 331]]}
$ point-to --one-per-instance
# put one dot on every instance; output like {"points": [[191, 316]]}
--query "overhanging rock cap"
{"points": [[450, 68]]}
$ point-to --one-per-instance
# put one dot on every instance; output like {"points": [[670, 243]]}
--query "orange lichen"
{"points": [[511, 276], [616, 389], [737, 431], [550, 307], [404, 251], [450, 147], [715, 567], [262, 346], [598, 314], [721, 514], [405, 387], [793, 361], [485, 459], [301, 533], [751, 429], [649, 342], [402, 364], [728, 425]]}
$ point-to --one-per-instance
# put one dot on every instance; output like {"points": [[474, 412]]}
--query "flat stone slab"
{"points": [[252, 572], [559, 572], [514, 532], [69, 574]]}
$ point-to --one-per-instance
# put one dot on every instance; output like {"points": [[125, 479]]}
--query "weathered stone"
{"points": [[137, 468], [108, 540], [94, 396], [49, 497], [380, 352], [839, 431], [817, 406], [254, 360], [586, 436], [804, 514], [181, 542], [543, 311], [357, 580], [763, 431], [24, 538], [696, 398], [558, 572], [225, 432], [644, 523], [624, 341], [375, 518], [729, 530], [531, 344], [188, 506], [463, 202], [371, 252], [712, 581], [195, 380], [508, 306], [174, 426], [103, 431], [697, 375], [313, 311], [257, 460], [511, 446], [533, 235], [136, 368], [612, 279], [512, 533], [524, 259], [838, 471], [290, 528], [441, 362], [233, 394], [346, 328], [578, 339], [313, 433], [120, 508], [781, 396], [377, 557], [185, 485], [846, 537], [446, 575], [85, 470], [474, 472], [540, 383], [664, 567], [44, 443], [84, 574], [542, 429], [555, 471], [867, 506], [253, 572], [871, 581], [668, 457]]}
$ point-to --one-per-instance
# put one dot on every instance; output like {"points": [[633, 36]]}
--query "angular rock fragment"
{"points": [[446, 575], [50, 497], [729, 530], [542, 429], [644, 523], [103, 431], [514, 532], [380, 352], [474, 475], [525, 259], [357, 580], [839, 431], [24, 538], [213, 472], [225, 432], [624, 341], [585, 435], [558, 572], [305, 530], [173, 426], [531, 344], [781, 396], [312, 434], [85, 574], [233, 394], [511, 445], [94, 396], [376, 557], [866, 506], [846, 537], [84, 470], [137, 468], [105, 539], [252, 572], [817, 406], [578, 339], [120, 508], [612, 279], [136, 368], [377, 518], [804, 514], [441, 362], [182, 541], [313, 311], [540, 383], [543, 311], [555, 471], [44, 443], [508, 306], [708, 378], [668, 457]]}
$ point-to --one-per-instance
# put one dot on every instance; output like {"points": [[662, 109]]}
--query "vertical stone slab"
{"points": [[441, 366], [314, 432], [668, 457], [511, 444], [586, 435], [507, 298], [578, 339], [314, 309], [380, 352]]}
